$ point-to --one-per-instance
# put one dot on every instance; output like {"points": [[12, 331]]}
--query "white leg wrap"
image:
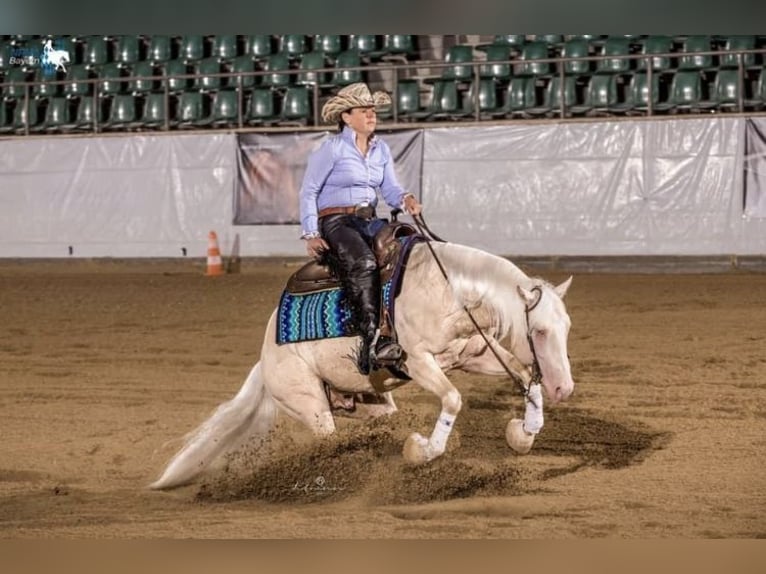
{"points": [[438, 441], [533, 416]]}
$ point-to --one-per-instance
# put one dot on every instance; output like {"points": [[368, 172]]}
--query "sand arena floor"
{"points": [[106, 365]]}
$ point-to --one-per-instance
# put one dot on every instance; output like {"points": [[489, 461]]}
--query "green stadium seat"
{"points": [[224, 46], [191, 48], [690, 57], [533, 51], [399, 46], [553, 40], [110, 79], [88, 112], [43, 88], [76, 85], [520, 95], [145, 70], [486, 90], [154, 114], [225, 109], [330, 44], [206, 78], [342, 75], [293, 45], [6, 51], [127, 49], [260, 107], [656, 45], [445, 100], [757, 99], [122, 112], [513, 41], [500, 72], [309, 63], [366, 45], [191, 109], [15, 78], [685, 90], [726, 91], [172, 70], [159, 49], [576, 48], [243, 65], [277, 64], [95, 51], [600, 95], [6, 125], [408, 99], [568, 102], [460, 56], [296, 105], [617, 47], [25, 116], [258, 46], [729, 60], [57, 115], [638, 95]]}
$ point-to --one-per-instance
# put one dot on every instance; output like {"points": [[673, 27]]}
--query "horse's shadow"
{"points": [[364, 460]]}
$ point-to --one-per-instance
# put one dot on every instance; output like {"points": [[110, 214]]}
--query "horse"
{"points": [[458, 308], [53, 57]]}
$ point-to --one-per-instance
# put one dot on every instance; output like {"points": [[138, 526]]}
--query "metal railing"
{"points": [[390, 73]]}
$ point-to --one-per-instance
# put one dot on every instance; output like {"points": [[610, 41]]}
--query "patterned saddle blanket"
{"points": [[326, 313]]}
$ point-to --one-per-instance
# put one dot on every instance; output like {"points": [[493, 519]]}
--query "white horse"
{"points": [[54, 57], [434, 328]]}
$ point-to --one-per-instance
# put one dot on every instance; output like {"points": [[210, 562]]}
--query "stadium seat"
{"points": [[225, 108], [76, 85], [88, 113], [500, 71], [729, 60], [311, 61], [260, 107], [95, 51], [206, 71], [190, 111], [513, 41], [690, 57], [173, 70], [145, 70], [487, 94], [445, 100], [533, 51], [25, 116], [293, 45], [600, 95], [122, 112], [191, 48], [6, 124], [618, 47], [576, 48], [110, 79], [460, 56], [553, 40], [277, 64], [296, 105], [342, 75], [159, 49], [329, 44], [5, 55], [725, 94], [154, 113], [520, 95], [366, 45], [15, 78], [557, 88], [408, 99], [43, 88], [399, 46], [57, 115], [258, 46], [757, 100], [656, 45], [127, 49], [638, 94], [685, 90], [243, 65], [224, 46]]}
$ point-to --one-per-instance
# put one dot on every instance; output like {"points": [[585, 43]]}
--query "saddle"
{"points": [[318, 275]]}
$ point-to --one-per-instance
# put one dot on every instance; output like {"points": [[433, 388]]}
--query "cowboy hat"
{"points": [[353, 96]]}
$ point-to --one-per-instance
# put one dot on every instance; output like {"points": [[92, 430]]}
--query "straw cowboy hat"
{"points": [[353, 96]]}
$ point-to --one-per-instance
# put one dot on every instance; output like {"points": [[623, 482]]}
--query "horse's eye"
{"points": [[541, 332]]}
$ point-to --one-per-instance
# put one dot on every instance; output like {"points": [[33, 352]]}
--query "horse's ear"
{"points": [[528, 296], [562, 289]]}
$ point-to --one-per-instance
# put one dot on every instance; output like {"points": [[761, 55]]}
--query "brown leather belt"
{"points": [[363, 211]]}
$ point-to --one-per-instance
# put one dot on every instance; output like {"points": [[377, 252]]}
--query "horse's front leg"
{"points": [[521, 434], [427, 373]]}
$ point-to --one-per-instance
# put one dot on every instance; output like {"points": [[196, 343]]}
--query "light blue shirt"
{"points": [[338, 175]]}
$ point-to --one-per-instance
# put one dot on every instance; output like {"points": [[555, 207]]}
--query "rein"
{"points": [[536, 377]]}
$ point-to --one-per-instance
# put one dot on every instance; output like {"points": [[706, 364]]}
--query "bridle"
{"points": [[536, 376]]}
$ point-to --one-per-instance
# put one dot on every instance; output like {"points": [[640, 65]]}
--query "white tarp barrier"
{"points": [[755, 168], [608, 188], [129, 196]]}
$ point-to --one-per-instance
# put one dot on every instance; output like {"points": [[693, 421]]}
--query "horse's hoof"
{"points": [[518, 439], [415, 450]]}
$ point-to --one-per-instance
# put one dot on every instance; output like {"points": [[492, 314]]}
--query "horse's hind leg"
{"points": [[299, 392]]}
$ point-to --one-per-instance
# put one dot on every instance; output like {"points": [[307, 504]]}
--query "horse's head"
{"points": [[548, 330]]}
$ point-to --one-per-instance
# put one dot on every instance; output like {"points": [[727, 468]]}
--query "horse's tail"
{"points": [[251, 412]]}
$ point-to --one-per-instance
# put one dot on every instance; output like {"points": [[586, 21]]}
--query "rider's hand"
{"points": [[412, 205], [315, 247]]}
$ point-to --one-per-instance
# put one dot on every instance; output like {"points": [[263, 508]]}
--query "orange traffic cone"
{"points": [[214, 262]]}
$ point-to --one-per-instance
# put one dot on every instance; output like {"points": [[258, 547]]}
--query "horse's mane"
{"points": [[481, 278]]}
